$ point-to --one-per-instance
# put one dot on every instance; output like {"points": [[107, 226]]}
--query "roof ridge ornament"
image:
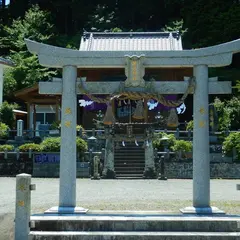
{"points": [[135, 71]]}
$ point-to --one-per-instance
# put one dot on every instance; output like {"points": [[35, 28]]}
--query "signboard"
{"points": [[19, 128], [47, 158]]}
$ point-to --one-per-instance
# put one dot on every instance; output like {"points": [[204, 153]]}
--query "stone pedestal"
{"points": [[108, 171], [149, 170]]}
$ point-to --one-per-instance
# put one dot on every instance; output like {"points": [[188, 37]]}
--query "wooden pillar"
{"points": [[28, 115], [145, 110], [113, 107], [79, 120], [57, 110], [130, 110], [34, 119]]}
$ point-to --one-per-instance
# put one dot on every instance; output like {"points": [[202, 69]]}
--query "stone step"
{"points": [[129, 152], [129, 165], [129, 176], [125, 166], [126, 163], [65, 235], [129, 156], [130, 149], [129, 169], [137, 174], [139, 147], [136, 222], [129, 160]]}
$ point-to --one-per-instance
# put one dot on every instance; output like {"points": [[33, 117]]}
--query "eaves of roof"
{"points": [[6, 62]]}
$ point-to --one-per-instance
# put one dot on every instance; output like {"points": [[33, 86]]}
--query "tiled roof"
{"points": [[6, 62], [130, 41]]}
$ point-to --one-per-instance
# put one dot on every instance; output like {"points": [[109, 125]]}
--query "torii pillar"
{"points": [[67, 195], [201, 155], [199, 59]]}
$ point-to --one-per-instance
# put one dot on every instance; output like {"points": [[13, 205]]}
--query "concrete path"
{"points": [[116, 194]]}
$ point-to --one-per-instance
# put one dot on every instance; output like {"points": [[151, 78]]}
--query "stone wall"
{"points": [[217, 170], [52, 170], [47, 165]]}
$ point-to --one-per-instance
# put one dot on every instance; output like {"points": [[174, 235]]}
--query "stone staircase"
{"points": [[134, 227], [129, 161]]}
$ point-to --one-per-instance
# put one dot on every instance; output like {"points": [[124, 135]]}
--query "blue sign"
{"points": [[82, 165], [47, 158]]}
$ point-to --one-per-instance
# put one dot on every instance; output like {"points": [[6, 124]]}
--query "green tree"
{"points": [[175, 26], [35, 25], [238, 86], [228, 113], [7, 115], [211, 22], [103, 19]]}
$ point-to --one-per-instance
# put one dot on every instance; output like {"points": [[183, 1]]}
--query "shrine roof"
{"points": [[6, 62], [130, 41]]}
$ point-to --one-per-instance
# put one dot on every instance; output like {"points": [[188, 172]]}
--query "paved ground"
{"points": [[117, 195]]}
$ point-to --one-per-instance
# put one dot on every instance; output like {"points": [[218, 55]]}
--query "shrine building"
{"points": [[45, 109]]}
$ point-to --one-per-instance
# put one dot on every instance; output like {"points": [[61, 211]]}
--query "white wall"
{"points": [[42, 109]]}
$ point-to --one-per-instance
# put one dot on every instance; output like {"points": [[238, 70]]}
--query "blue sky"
{"points": [[7, 2]]}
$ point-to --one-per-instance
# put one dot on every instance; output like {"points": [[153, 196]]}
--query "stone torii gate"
{"points": [[71, 60]]}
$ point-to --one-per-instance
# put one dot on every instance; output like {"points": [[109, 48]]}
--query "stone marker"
{"points": [[23, 206]]}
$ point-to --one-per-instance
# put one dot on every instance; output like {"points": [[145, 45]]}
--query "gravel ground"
{"points": [[166, 196]]}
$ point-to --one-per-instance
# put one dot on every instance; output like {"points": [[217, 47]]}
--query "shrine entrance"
{"points": [[135, 88]]}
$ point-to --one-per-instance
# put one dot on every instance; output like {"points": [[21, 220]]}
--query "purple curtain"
{"points": [[103, 106], [94, 106]]}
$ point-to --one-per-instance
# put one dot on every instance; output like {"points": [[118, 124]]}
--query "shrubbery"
{"points": [[51, 144], [6, 147], [183, 146], [173, 144], [33, 146], [230, 142], [159, 144], [81, 145], [189, 126], [3, 130]]}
